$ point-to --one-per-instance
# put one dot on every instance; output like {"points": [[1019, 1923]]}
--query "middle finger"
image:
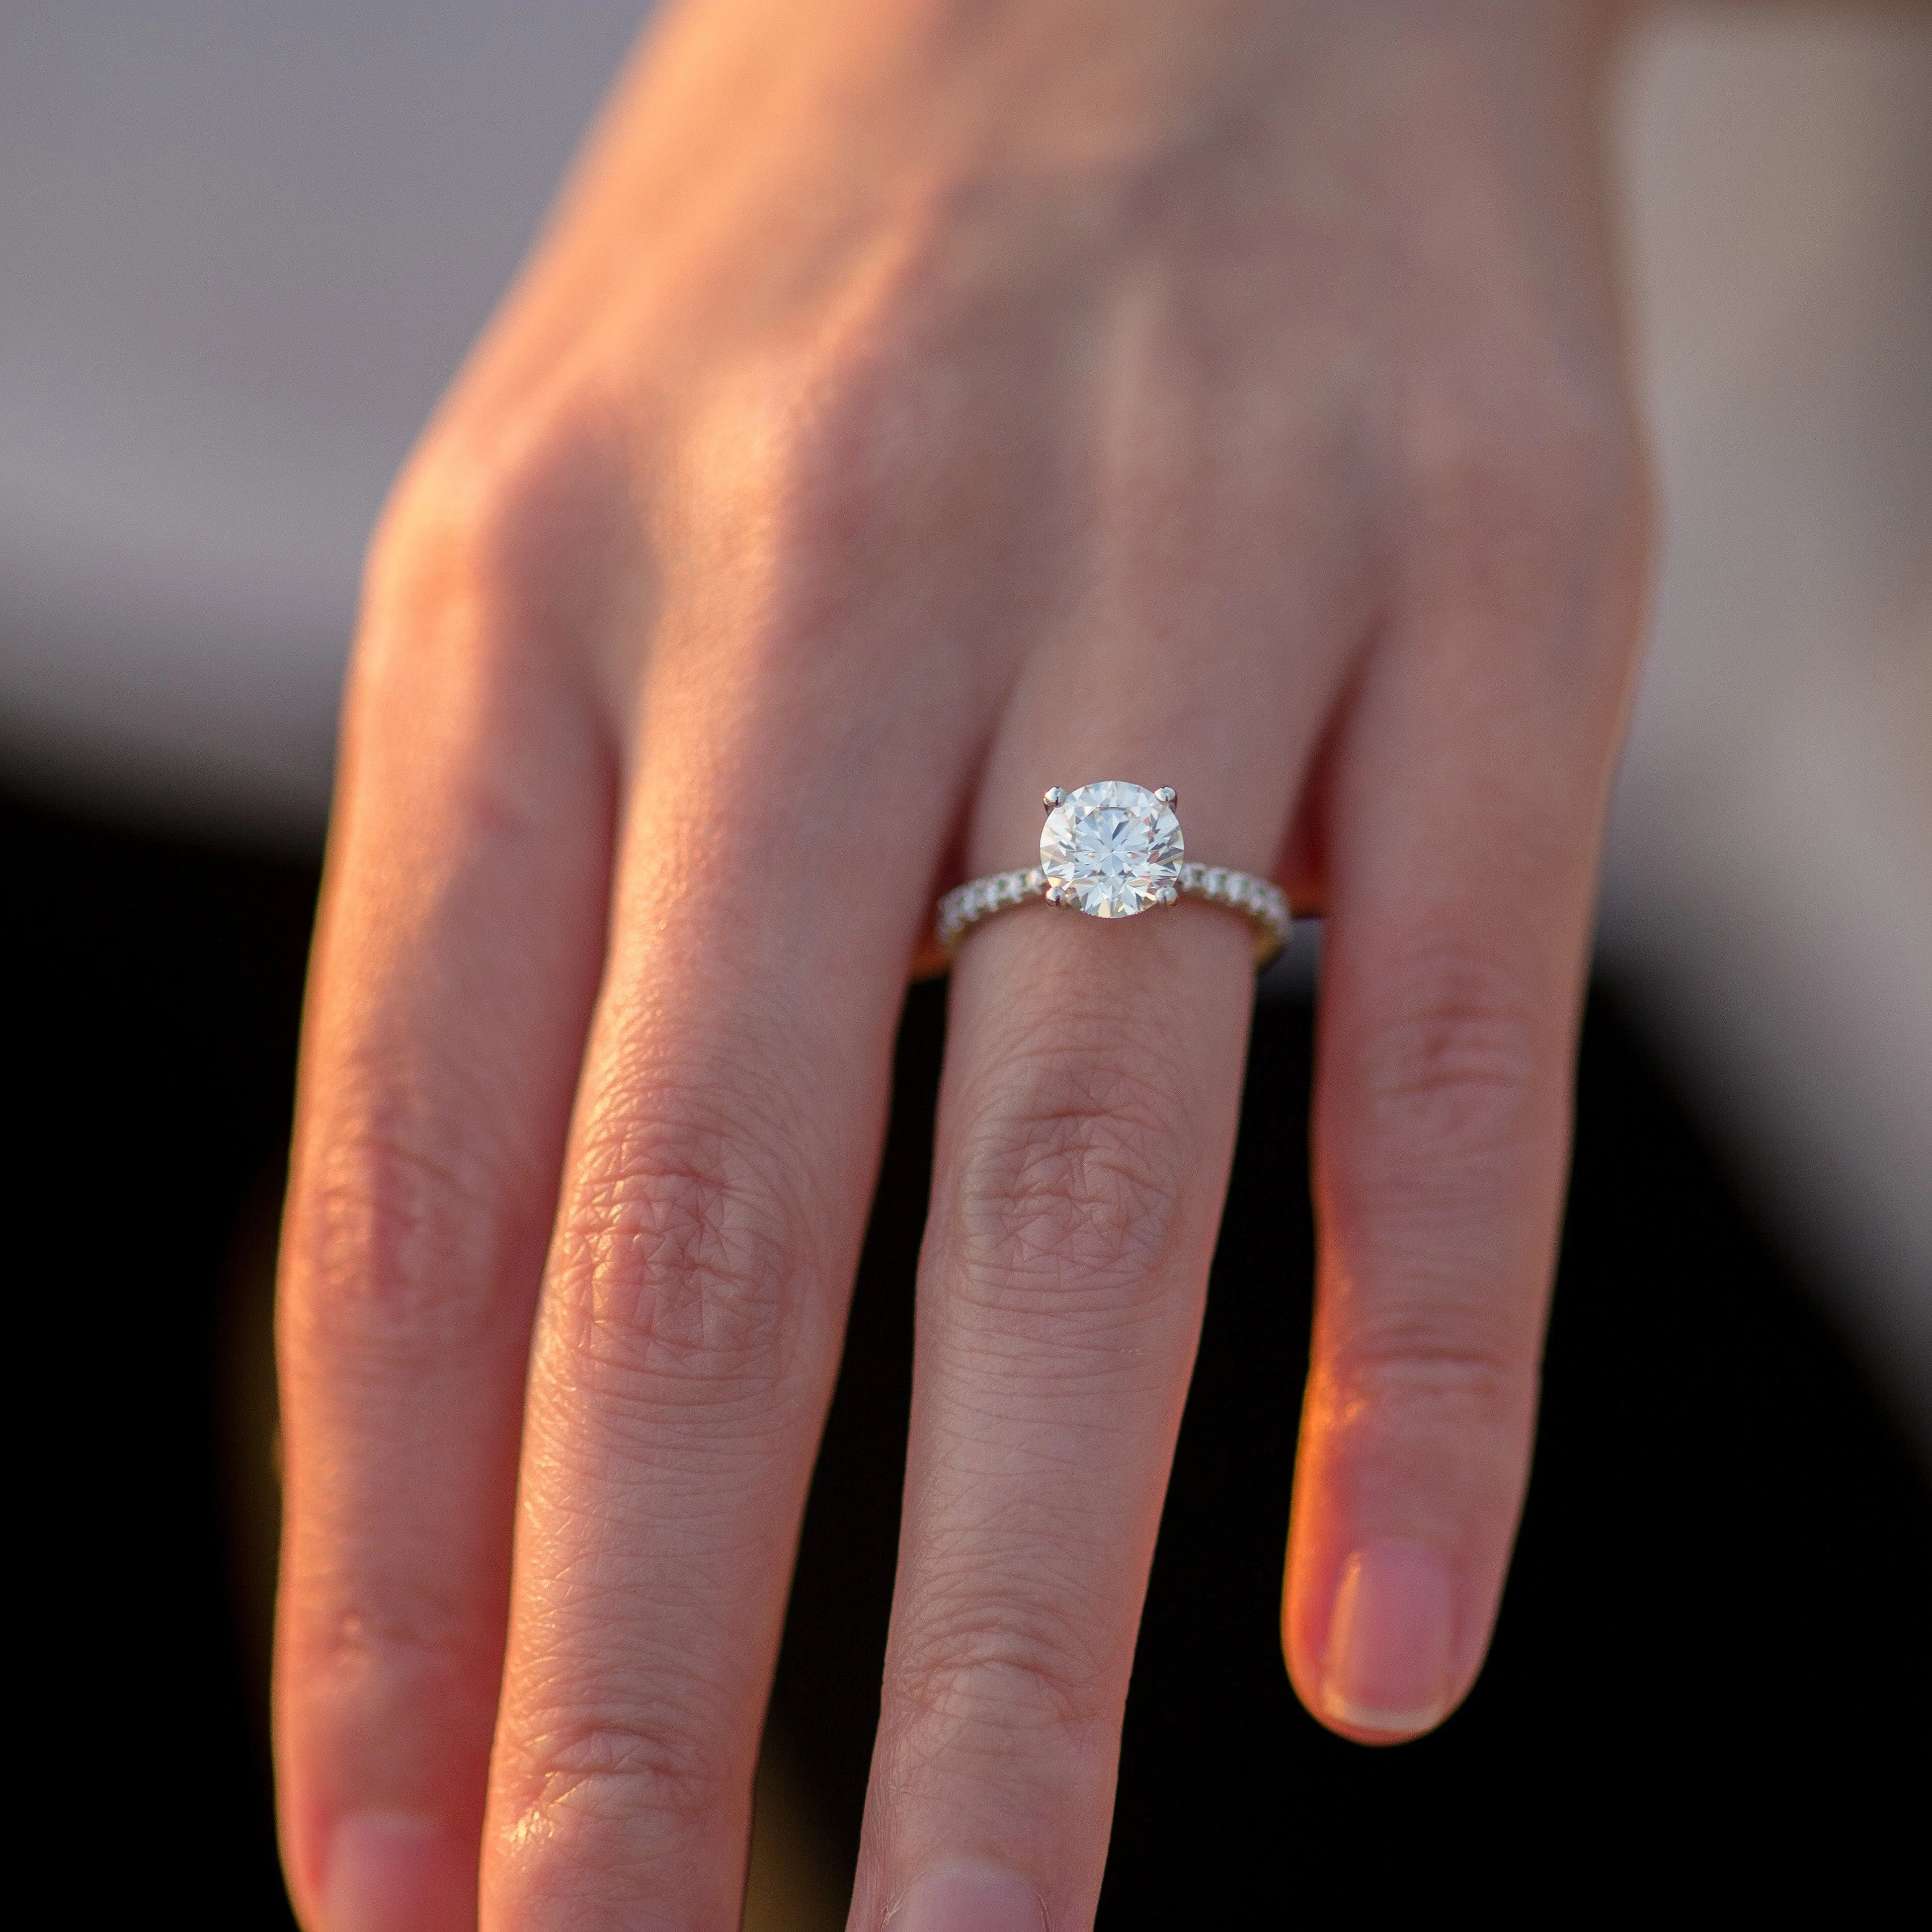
{"points": [[727, 1126]]}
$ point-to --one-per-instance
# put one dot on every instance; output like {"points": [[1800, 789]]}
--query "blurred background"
{"points": [[241, 247]]}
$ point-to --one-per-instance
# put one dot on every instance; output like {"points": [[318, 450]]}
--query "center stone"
{"points": [[1112, 849]]}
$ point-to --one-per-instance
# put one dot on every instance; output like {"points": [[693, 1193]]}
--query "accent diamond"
{"points": [[1113, 849]]}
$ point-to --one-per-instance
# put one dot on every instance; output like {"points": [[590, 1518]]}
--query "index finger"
{"points": [[727, 1129], [455, 960]]}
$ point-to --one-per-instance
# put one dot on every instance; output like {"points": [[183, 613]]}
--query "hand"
{"points": [[914, 403]]}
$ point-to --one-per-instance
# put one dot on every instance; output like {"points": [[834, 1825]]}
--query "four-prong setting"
{"points": [[1110, 849]]}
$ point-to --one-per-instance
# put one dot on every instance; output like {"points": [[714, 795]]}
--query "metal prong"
{"points": [[1052, 797], [1051, 895], [1168, 795], [1168, 894]]}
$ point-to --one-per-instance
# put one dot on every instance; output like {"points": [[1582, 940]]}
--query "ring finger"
{"points": [[1085, 1133]]}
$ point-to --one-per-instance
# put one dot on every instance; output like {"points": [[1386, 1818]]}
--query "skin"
{"points": [[914, 403]]}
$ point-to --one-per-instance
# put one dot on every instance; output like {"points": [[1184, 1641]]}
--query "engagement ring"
{"points": [[1112, 850]]}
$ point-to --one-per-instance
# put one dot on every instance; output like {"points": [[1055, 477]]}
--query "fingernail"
{"points": [[968, 1901], [389, 1872], [1386, 1666]]}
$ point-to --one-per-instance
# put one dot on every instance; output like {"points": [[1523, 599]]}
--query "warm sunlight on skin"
{"points": [[914, 403]]}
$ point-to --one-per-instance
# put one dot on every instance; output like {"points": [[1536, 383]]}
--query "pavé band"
{"points": [[1113, 850]]}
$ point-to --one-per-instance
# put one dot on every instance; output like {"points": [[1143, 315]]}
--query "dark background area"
{"points": [[1712, 1663]]}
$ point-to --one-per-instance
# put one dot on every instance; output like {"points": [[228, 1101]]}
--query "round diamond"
{"points": [[1112, 849]]}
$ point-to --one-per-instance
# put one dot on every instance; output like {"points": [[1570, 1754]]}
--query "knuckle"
{"points": [[376, 1636], [1558, 473], [498, 539], [834, 422], [681, 1258], [596, 1769], [836, 463], [997, 1667], [1069, 1183], [1453, 1069], [860, 392], [1411, 1352], [410, 1634], [381, 1225]]}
